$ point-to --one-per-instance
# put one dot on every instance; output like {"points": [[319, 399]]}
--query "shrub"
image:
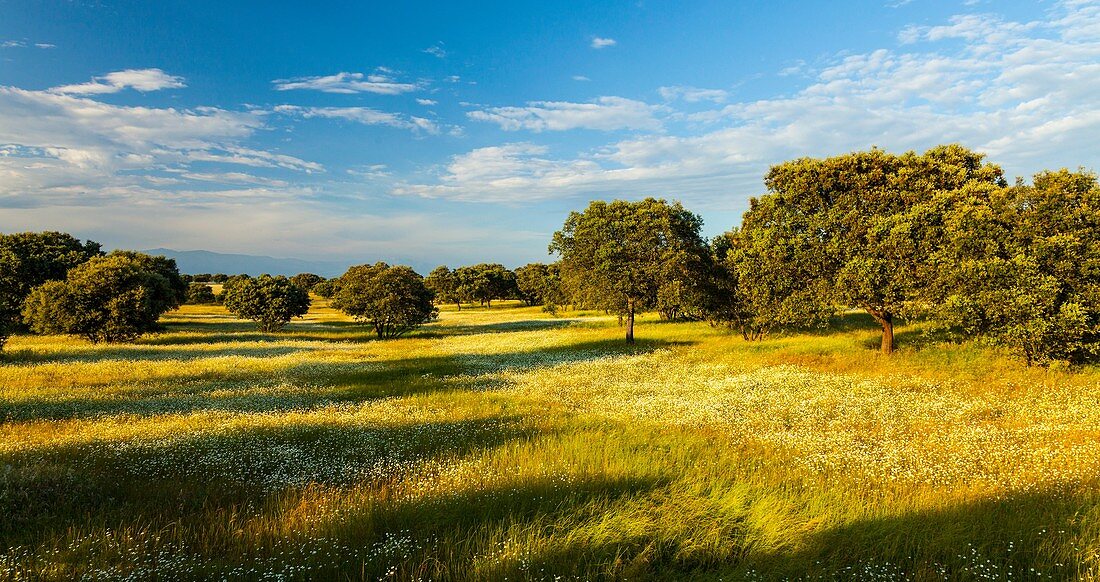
{"points": [[269, 301], [200, 293], [325, 288], [306, 281], [393, 300]]}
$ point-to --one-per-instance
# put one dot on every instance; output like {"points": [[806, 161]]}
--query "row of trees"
{"points": [[938, 235], [52, 283], [392, 300], [534, 284]]}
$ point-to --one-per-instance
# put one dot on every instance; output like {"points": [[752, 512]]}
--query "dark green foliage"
{"points": [[163, 266], [220, 277], [269, 301], [326, 288], [444, 283], [756, 288], [393, 300], [29, 259], [540, 284], [1023, 267], [306, 281], [857, 229], [620, 255], [485, 282], [200, 294], [106, 299], [228, 284]]}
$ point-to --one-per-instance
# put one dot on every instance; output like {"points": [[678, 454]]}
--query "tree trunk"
{"points": [[886, 320], [630, 322], [888, 334]]}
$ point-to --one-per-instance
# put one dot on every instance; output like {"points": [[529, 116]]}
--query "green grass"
{"points": [[507, 444]]}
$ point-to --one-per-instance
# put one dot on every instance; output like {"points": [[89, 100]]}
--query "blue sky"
{"points": [[430, 133]]}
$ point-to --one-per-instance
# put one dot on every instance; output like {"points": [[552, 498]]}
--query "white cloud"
{"points": [[1022, 92], [606, 113], [380, 83], [250, 157], [364, 115], [580, 78], [692, 94], [371, 172], [24, 44], [508, 173], [797, 68], [599, 43], [139, 79], [234, 177], [62, 149], [436, 51], [426, 102]]}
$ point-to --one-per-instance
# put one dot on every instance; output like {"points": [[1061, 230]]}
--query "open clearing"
{"points": [[507, 444]]}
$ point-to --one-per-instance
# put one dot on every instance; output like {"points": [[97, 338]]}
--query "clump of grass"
{"points": [[506, 443]]}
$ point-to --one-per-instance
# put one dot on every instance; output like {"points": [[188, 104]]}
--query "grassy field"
{"points": [[504, 444]]}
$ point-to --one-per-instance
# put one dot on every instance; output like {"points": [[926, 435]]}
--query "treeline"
{"points": [[939, 236], [534, 284]]}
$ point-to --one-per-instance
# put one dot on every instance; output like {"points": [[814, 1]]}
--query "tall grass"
{"points": [[505, 444]]}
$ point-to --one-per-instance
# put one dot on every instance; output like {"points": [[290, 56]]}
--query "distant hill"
{"points": [[192, 262]]}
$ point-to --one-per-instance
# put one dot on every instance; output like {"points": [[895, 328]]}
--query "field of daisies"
{"points": [[507, 444]]}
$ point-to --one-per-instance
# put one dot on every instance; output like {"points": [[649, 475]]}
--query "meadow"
{"points": [[506, 444]]}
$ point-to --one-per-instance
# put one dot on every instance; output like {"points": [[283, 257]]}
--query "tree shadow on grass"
{"points": [[314, 385], [156, 481], [132, 352], [915, 338], [1020, 537], [197, 494], [436, 330]]}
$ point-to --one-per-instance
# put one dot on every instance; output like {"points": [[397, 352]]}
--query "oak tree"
{"points": [[619, 254]]}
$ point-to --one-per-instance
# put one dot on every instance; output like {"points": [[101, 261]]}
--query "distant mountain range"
{"points": [[192, 262]]}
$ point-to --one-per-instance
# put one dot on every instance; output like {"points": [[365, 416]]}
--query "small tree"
{"points": [[270, 301], [306, 281], [444, 283], [106, 299], [200, 294], [485, 282], [619, 254], [228, 284], [532, 281], [326, 289], [393, 300], [756, 286]]}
